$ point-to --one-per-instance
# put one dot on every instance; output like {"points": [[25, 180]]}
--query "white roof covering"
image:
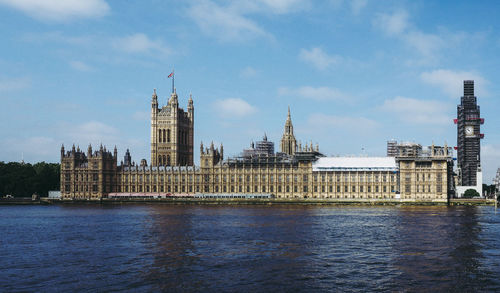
{"points": [[355, 164]]}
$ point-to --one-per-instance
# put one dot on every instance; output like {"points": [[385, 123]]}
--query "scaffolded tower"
{"points": [[468, 136]]}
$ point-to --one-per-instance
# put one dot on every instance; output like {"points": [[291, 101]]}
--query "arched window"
{"points": [[159, 135], [168, 160], [168, 135], [160, 161], [163, 135]]}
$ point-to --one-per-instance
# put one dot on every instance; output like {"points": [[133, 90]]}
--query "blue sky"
{"points": [[355, 73]]}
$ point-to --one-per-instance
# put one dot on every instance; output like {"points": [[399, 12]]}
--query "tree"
{"points": [[470, 193], [22, 180]]}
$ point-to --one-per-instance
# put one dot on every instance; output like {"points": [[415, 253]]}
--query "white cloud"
{"points": [[315, 93], [284, 6], [425, 44], [392, 24], [319, 58], [55, 10], [13, 84], [94, 132], [416, 111], [342, 123], [224, 23], [248, 72], [358, 5], [234, 107], [451, 82], [80, 66], [19, 147], [140, 43]]}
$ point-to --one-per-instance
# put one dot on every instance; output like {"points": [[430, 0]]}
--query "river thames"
{"points": [[145, 248]]}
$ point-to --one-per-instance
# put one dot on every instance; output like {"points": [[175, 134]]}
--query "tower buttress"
{"points": [[288, 141], [154, 129]]}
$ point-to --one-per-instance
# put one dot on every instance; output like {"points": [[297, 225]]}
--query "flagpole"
{"points": [[173, 78]]}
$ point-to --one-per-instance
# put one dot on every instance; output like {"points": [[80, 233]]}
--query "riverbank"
{"points": [[205, 201]]}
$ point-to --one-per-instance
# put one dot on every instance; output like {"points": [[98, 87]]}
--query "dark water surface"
{"points": [[248, 248]]}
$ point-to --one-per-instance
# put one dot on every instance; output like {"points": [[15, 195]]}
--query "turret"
{"points": [[62, 150], [288, 142], [221, 152], [89, 151], [127, 159], [174, 102], [115, 153], [154, 103], [190, 108]]}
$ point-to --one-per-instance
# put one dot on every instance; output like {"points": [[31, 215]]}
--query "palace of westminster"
{"points": [[409, 172]]}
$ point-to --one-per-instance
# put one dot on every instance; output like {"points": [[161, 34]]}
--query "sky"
{"points": [[354, 73]]}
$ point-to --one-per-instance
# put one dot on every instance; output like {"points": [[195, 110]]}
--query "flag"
{"points": [[171, 74]]}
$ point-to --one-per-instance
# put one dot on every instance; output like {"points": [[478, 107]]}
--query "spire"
{"points": [[265, 137]]}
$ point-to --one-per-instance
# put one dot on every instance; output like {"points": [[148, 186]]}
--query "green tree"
{"points": [[21, 180], [470, 193]]}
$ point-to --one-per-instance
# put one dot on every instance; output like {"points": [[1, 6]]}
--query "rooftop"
{"points": [[355, 163]]}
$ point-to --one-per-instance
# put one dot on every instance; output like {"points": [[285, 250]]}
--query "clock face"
{"points": [[469, 130]]}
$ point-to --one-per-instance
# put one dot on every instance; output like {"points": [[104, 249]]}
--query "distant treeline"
{"points": [[21, 180]]}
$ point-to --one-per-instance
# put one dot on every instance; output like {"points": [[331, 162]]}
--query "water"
{"points": [[248, 248]]}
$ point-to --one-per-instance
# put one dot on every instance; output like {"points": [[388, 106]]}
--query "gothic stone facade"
{"points": [[93, 175], [172, 133], [413, 179]]}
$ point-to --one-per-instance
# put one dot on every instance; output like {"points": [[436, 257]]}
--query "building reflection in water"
{"points": [[227, 248], [311, 248], [439, 249]]}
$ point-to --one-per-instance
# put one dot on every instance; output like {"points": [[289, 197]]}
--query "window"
{"points": [[304, 188]]}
